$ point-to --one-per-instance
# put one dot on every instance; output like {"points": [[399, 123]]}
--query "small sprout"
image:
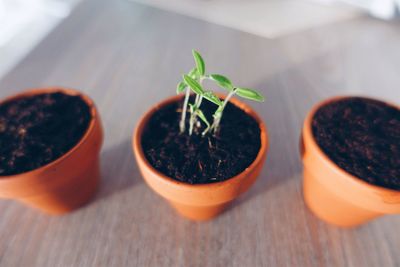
{"points": [[193, 82]]}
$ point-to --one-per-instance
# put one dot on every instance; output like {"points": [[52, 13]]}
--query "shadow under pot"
{"points": [[50, 144], [350, 148], [200, 175]]}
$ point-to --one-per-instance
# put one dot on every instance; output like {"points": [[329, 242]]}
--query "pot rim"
{"points": [[307, 132], [137, 137], [84, 138]]}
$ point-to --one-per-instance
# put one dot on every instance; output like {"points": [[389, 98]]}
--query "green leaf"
{"points": [[249, 94], [221, 81], [199, 62], [180, 87], [194, 74], [202, 117], [210, 96], [193, 84]]}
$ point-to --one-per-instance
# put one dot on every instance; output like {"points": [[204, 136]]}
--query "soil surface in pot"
{"points": [[362, 136], [201, 159], [38, 129]]}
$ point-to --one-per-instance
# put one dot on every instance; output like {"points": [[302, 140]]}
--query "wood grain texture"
{"points": [[128, 57]]}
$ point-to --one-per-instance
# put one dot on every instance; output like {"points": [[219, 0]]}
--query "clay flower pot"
{"points": [[333, 194], [67, 182], [198, 201]]}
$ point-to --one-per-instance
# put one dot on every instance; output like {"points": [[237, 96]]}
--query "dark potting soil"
{"points": [[36, 130], [362, 136], [201, 159]]}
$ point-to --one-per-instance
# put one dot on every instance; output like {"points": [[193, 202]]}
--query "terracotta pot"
{"points": [[333, 194], [67, 182], [200, 201]]}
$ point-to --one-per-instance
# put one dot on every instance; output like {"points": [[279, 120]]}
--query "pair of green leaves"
{"points": [[242, 92]]}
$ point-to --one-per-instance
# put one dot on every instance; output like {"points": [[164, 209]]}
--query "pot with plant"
{"points": [[350, 148], [50, 141], [200, 151]]}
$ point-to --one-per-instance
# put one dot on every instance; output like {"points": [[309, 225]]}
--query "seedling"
{"points": [[193, 81]]}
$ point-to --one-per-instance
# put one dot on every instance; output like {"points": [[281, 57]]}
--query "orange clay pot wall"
{"points": [[66, 183]]}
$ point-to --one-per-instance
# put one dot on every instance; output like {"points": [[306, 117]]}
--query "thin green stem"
{"points": [[193, 115], [220, 110], [191, 120], [184, 110], [199, 102], [206, 129], [196, 105]]}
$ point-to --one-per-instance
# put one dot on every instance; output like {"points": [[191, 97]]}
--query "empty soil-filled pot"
{"points": [[200, 175], [350, 148], [50, 142]]}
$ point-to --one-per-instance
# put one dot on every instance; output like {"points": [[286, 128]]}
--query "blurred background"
{"points": [[23, 23]]}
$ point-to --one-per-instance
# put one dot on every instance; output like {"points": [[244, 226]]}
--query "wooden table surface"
{"points": [[129, 56]]}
